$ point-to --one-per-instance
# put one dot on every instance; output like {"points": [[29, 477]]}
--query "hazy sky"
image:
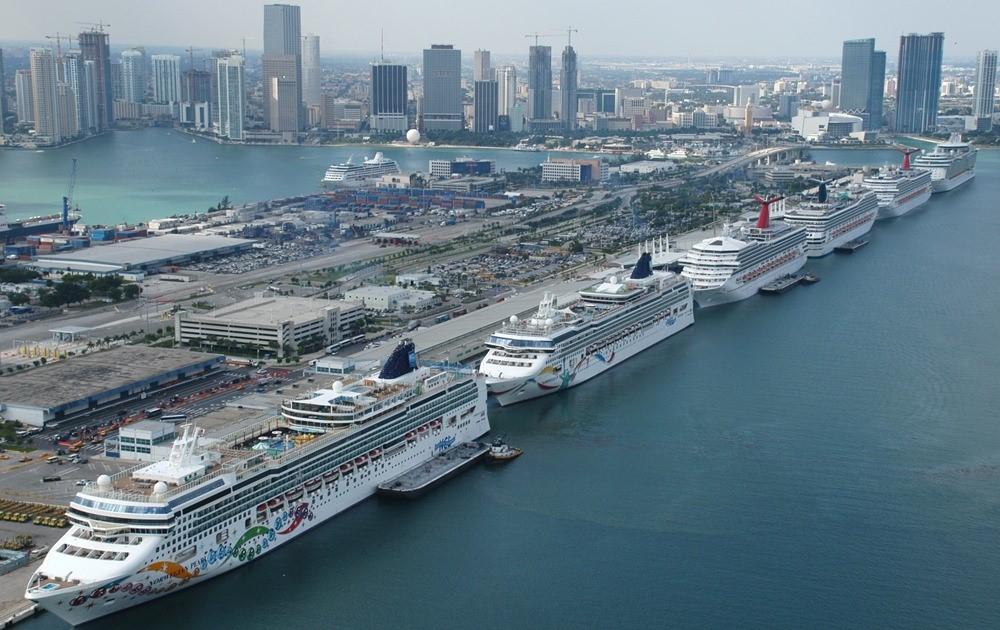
{"points": [[745, 28]]}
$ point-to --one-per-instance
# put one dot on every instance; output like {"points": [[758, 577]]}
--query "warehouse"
{"points": [[52, 392], [142, 255], [279, 324]]}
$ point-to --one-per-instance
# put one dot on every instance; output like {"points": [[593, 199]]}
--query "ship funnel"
{"points": [[403, 360], [764, 219], [643, 268], [822, 195]]}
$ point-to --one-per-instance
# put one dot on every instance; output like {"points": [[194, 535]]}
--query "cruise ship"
{"points": [[351, 174], [832, 220], [951, 163], [560, 347], [899, 190], [734, 266], [215, 505]]}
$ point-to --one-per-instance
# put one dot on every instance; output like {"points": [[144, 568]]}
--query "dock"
{"points": [[852, 246], [422, 478], [786, 282]]}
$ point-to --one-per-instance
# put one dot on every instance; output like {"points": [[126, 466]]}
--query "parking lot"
{"points": [[22, 480]]}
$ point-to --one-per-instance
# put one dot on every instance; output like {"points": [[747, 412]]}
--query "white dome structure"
{"points": [[413, 136], [160, 489], [104, 482]]}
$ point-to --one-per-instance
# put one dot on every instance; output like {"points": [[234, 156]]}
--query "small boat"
{"points": [[274, 503], [361, 461], [294, 495], [330, 475], [314, 484], [346, 467], [411, 436], [375, 454], [500, 451]]}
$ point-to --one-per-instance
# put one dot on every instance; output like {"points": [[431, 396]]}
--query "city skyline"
{"points": [[736, 31]]}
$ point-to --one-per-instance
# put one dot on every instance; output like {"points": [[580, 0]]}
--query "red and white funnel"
{"points": [[764, 219]]}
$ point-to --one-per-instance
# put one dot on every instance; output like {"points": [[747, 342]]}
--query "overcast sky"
{"points": [[740, 28]]}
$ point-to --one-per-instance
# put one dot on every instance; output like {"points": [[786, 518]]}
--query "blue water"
{"points": [[829, 457]]}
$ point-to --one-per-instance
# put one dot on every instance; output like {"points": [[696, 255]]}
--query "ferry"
{"points": [[563, 346], [832, 220], [747, 255], [899, 190], [951, 163], [215, 505], [351, 174]]}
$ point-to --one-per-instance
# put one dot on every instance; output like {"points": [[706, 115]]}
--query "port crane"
{"points": [[67, 199]]}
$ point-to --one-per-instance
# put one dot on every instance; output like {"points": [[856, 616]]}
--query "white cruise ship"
{"points": [[951, 163], [834, 219], [351, 174], [899, 190], [564, 346], [215, 505], [732, 267]]}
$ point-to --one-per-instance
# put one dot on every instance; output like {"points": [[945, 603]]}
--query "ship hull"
{"points": [[945, 184], [248, 538], [569, 371], [898, 209], [734, 291], [842, 234]]}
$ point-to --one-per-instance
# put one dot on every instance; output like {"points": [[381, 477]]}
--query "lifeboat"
{"points": [[436, 424], [422, 429], [376, 453], [346, 467], [262, 507], [361, 460], [411, 437], [294, 495], [330, 475], [313, 484], [274, 503]]}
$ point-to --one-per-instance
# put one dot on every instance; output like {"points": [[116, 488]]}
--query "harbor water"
{"points": [[826, 458]]}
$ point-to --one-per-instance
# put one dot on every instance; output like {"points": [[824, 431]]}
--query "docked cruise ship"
{"points": [[951, 163], [215, 505], [899, 190], [560, 347], [832, 220], [351, 174], [734, 266]]}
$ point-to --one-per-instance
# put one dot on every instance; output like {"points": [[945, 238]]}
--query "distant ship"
{"points": [[734, 266], [10, 231], [560, 347], [351, 174], [951, 163], [832, 220], [215, 505], [899, 190]]}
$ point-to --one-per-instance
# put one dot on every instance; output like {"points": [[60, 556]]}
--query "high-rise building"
{"points": [[743, 93], [862, 81], [66, 110], [986, 79], [312, 75], [167, 78], [116, 81], [387, 111], [481, 69], [45, 95], [196, 86], [919, 85], [442, 104], [282, 59], [94, 46], [3, 94], [25, 100], [284, 106], [506, 78], [568, 88], [79, 75], [539, 82], [133, 76], [485, 103], [231, 96]]}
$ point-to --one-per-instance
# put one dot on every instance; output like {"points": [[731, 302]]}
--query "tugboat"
{"points": [[501, 452]]}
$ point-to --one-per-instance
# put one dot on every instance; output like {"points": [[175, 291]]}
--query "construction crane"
{"points": [[190, 51], [569, 35], [59, 37], [68, 198], [538, 35], [97, 26]]}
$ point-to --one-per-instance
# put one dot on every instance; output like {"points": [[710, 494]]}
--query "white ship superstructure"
{"points": [[951, 163], [216, 505], [834, 219], [734, 266], [351, 174], [563, 346], [899, 190]]}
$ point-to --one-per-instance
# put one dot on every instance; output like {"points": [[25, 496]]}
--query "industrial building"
{"points": [[461, 166], [277, 324], [52, 392], [142, 255], [381, 298], [566, 170]]}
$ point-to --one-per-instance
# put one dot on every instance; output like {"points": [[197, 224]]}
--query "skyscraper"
{"points": [[862, 81], [94, 46], [45, 95], [387, 111], [539, 82], [506, 77], [25, 99], [568, 87], [442, 105], [282, 59], [3, 94], [79, 75], [484, 101], [133, 76], [481, 70], [919, 83], [196, 86], [166, 78], [986, 78], [231, 95], [312, 75]]}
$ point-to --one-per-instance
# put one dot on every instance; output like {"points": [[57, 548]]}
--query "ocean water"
{"points": [[829, 457]]}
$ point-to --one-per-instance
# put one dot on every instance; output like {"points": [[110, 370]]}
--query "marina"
{"points": [[415, 482]]}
